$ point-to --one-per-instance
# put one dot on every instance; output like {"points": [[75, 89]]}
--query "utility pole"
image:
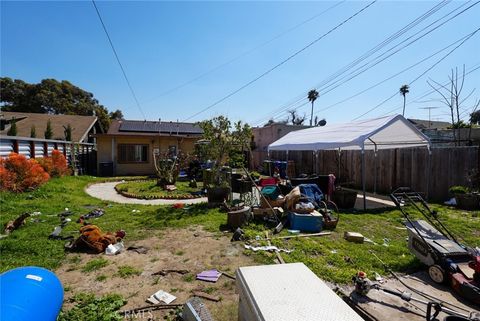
{"points": [[429, 114]]}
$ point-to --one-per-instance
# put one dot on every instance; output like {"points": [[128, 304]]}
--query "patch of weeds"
{"points": [[185, 260], [126, 271], [188, 277], [90, 308], [67, 288], [209, 290], [155, 282], [180, 252], [95, 264], [173, 290], [74, 259], [71, 268], [154, 259], [101, 278]]}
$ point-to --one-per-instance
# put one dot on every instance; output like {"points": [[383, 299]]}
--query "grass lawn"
{"points": [[150, 190], [330, 257]]}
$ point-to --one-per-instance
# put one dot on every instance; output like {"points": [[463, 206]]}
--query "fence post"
{"points": [[32, 149], [45, 149], [15, 146]]}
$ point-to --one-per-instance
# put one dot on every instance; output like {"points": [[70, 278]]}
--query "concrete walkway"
{"points": [[107, 192]]}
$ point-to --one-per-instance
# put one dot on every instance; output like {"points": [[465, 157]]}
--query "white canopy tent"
{"points": [[372, 134]]}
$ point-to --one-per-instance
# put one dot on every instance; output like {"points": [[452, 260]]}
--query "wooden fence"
{"points": [[85, 153], [391, 168]]}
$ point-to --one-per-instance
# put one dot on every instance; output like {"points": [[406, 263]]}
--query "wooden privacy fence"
{"points": [[85, 154], [391, 168]]}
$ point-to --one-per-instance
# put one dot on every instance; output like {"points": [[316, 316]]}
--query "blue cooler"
{"points": [[30, 293], [305, 222]]}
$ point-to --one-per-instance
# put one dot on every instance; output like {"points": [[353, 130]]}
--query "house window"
{"points": [[131, 153]]}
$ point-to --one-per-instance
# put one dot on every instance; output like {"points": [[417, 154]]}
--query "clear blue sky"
{"points": [[165, 44]]}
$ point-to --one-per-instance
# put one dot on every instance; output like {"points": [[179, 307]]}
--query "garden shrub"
{"points": [[17, 173], [56, 165]]}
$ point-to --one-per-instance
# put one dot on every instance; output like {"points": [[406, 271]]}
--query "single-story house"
{"points": [[128, 146], [83, 127]]}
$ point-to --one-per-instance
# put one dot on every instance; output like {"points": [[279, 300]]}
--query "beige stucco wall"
{"points": [[105, 143]]}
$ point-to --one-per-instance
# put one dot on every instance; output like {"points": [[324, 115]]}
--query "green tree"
{"points": [[33, 132], [12, 131], [312, 96], [475, 117], [48, 130], [116, 115], [67, 130], [404, 90], [51, 96]]}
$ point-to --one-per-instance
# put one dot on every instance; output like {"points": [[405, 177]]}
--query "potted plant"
{"points": [[222, 142], [468, 198], [344, 198]]}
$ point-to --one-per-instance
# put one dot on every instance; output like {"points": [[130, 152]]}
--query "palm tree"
{"points": [[404, 90], [312, 96]]}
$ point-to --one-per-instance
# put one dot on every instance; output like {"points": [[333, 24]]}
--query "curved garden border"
{"points": [[185, 196], [106, 192]]}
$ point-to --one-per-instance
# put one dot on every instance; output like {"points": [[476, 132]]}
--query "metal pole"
{"points": [[429, 159], [339, 159], [364, 179], [375, 173]]}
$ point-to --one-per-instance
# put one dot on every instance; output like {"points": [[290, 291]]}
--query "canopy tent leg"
{"points": [[375, 173], [363, 180], [429, 160], [339, 160]]}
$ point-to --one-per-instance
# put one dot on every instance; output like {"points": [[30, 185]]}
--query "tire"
{"points": [[436, 273]]}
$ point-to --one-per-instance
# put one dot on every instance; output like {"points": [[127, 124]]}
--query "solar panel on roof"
{"points": [[162, 127]]}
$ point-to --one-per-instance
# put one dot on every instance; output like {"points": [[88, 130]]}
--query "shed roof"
{"points": [[385, 133], [81, 125], [145, 127]]}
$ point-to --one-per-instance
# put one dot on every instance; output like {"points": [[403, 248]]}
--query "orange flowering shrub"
{"points": [[17, 173], [56, 165]]}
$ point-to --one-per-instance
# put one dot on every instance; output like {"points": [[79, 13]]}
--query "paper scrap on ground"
{"points": [[266, 248], [163, 296], [209, 276]]}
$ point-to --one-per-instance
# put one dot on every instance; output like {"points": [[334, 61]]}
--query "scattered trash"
{"points": [[334, 251], [227, 275], [294, 231], [170, 188], [451, 202], [161, 296], [209, 275], [258, 237], [178, 206], [138, 249], [135, 211], [266, 248], [354, 237], [347, 259], [379, 278], [92, 238], [196, 234], [386, 242], [366, 239], [206, 296], [13, 225], [195, 310], [36, 213], [165, 272], [238, 235], [113, 249], [93, 214]]}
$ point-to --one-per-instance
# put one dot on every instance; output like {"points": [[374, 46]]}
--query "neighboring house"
{"points": [[83, 127], [128, 146], [422, 124], [264, 136]]}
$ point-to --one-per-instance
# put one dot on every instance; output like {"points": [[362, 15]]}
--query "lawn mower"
{"points": [[434, 245], [363, 285]]}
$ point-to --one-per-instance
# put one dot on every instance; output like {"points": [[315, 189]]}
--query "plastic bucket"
{"points": [[30, 293]]}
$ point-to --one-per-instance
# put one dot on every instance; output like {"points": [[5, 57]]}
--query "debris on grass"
{"points": [[95, 264], [165, 272]]}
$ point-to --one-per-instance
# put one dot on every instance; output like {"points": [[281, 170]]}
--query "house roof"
{"points": [[81, 125], [377, 133], [148, 128], [426, 124]]}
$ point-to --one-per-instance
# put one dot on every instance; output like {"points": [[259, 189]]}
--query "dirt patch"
{"points": [[191, 249]]}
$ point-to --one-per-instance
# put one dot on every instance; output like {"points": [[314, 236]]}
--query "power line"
{"points": [[323, 92], [382, 44], [282, 62], [184, 84], [423, 73], [118, 59]]}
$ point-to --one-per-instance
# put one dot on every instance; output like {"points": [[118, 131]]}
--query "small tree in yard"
{"points": [[13, 128], [33, 132], [167, 167], [224, 140], [48, 130]]}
